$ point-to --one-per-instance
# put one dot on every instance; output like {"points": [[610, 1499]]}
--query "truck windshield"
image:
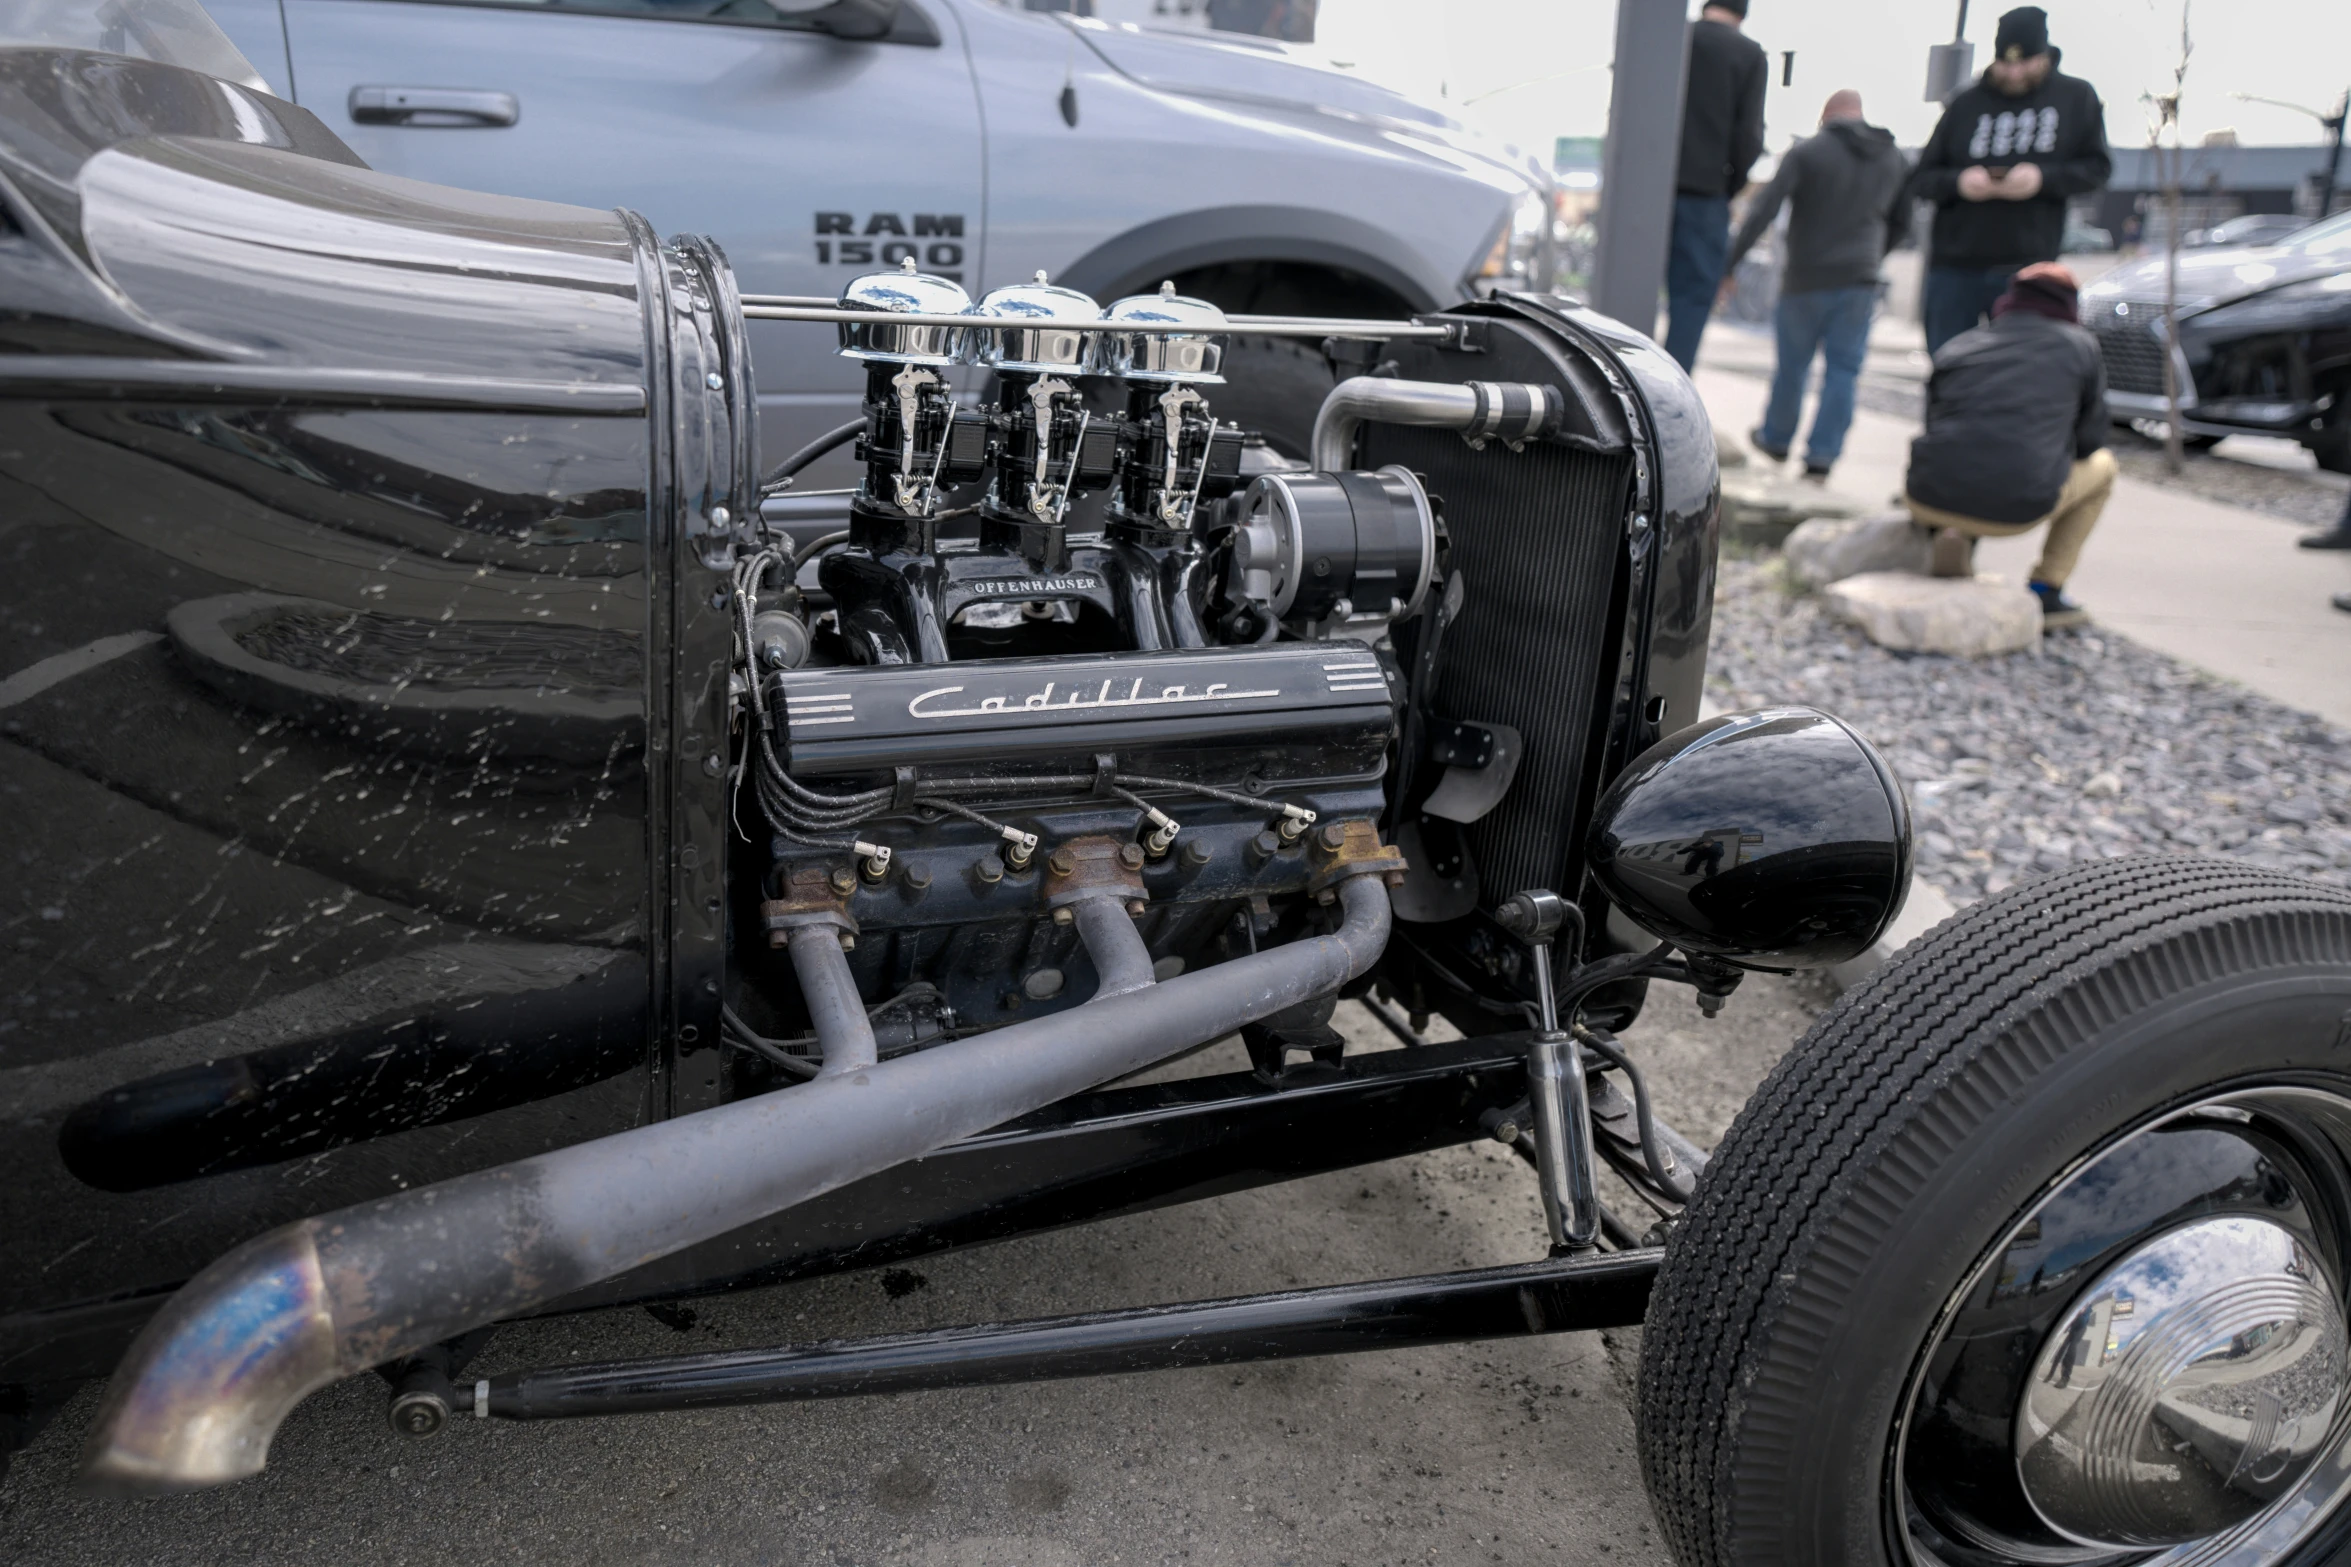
{"points": [[169, 32]]}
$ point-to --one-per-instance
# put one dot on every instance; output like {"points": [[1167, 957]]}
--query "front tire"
{"points": [[1884, 1179], [2331, 443], [1275, 386]]}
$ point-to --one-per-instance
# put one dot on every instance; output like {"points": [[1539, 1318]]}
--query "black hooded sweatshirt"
{"points": [[2012, 405], [1844, 190], [2059, 125], [1722, 110]]}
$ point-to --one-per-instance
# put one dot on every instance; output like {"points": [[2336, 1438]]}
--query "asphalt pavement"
{"points": [[1513, 1451]]}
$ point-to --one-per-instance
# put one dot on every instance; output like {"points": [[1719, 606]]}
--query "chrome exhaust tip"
{"points": [[201, 1393]]}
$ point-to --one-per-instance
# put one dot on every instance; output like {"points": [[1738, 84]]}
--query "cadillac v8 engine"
{"points": [[984, 699]]}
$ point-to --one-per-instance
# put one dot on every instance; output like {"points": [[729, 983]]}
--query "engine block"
{"points": [[978, 699]]}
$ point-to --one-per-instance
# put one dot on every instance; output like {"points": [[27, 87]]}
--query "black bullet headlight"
{"points": [[1773, 839]]}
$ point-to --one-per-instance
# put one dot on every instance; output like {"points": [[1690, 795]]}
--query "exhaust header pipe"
{"points": [[201, 1393]]}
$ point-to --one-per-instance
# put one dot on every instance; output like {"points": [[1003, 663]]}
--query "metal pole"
{"points": [[2334, 125], [2174, 442], [1637, 166]]}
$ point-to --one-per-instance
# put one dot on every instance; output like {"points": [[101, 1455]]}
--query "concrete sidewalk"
{"points": [[2217, 586]]}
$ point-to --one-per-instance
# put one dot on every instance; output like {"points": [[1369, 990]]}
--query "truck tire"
{"points": [[1275, 386], [1870, 1321], [2331, 443]]}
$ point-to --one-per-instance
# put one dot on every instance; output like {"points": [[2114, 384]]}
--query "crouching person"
{"points": [[2016, 436]]}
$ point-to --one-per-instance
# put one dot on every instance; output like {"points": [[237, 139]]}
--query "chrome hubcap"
{"points": [[2154, 1363], [2185, 1390]]}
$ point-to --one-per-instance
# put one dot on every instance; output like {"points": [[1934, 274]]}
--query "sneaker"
{"points": [[1816, 472], [1953, 553], [1756, 440], [2057, 611], [2337, 537]]}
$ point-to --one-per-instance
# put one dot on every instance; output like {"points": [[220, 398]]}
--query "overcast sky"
{"points": [[1530, 70]]}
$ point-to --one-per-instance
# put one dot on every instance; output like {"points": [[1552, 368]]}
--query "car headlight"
{"points": [[1523, 256]]}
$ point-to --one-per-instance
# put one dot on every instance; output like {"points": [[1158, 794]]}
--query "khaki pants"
{"points": [[2078, 506]]}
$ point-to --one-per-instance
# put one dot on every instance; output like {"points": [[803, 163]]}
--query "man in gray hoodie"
{"points": [[1843, 189]]}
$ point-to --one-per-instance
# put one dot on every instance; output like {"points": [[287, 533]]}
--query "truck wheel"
{"points": [[1274, 385], [2033, 1250], [2331, 443]]}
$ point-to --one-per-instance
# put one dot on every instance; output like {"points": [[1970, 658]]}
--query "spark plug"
{"points": [[1163, 831], [872, 858], [1021, 848], [1295, 820]]}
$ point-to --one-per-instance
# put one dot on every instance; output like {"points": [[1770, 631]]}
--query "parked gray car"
{"points": [[2264, 343], [819, 142]]}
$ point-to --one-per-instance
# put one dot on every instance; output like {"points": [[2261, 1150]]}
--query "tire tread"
{"points": [[1867, 1108]]}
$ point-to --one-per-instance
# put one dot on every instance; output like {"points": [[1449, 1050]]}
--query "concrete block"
{"points": [[1830, 549], [1922, 911], [1961, 616], [1759, 507]]}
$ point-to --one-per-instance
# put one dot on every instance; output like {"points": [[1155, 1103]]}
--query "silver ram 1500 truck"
{"points": [[819, 142]]}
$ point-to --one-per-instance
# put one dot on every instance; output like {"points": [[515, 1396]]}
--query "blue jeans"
{"points": [[1832, 319], [1958, 297], [1693, 271]]}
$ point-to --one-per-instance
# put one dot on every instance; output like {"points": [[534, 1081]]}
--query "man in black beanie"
{"points": [[2009, 151], [1722, 136]]}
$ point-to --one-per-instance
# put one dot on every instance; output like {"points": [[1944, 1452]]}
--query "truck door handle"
{"points": [[442, 107]]}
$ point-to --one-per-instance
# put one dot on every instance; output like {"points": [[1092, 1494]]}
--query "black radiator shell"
{"points": [[1588, 562]]}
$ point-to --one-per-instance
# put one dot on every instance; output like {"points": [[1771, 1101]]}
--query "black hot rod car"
{"points": [[468, 865]]}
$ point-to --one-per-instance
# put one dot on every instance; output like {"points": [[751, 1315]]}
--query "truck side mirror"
{"points": [[843, 18]]}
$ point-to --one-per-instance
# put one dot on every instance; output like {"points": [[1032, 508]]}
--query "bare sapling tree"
{"points": [[2164, 142]]}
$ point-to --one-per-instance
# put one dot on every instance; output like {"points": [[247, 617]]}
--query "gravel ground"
{"points": [[2299, 495], [2017, 766]]}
